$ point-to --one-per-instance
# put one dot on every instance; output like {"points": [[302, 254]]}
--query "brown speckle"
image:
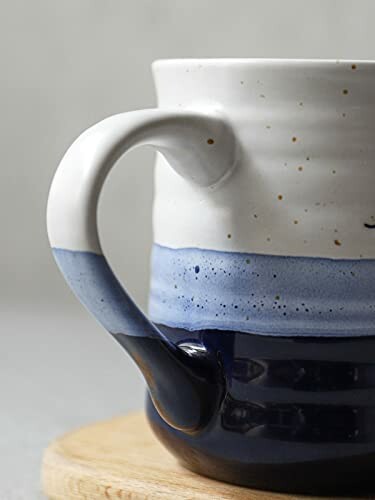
{"points": [[255, 216], [262, 96], [300, 168], [268, 239], [305, 241], [354, 66], [295, 221], [306, 210], [241, 82], [336, 231], [308, 158], [268, 126], [294, 139], [337, 243], [210, 141], [229, 236], [280, 197], [301, 103], [345, 91], [333, 171]]}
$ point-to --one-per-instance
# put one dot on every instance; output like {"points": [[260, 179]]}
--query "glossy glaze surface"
{"points": [[298, 414]]}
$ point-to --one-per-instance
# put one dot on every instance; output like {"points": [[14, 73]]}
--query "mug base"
{"points": [[343, 477], [297, 415]]}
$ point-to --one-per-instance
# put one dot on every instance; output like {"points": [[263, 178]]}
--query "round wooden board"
{"points": [[121, 459]]}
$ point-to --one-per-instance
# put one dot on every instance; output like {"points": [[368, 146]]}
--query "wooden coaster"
{"points": [[121, 459]]}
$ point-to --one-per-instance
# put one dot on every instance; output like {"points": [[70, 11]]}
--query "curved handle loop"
{"points": [[183, 383], [199, 147]]}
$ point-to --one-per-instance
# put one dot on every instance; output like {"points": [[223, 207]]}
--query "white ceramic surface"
{"points": [[303, 185], [184, 137], [304, 182]]}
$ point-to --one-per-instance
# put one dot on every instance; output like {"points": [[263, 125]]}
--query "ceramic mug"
{"points": [[259, 351]]}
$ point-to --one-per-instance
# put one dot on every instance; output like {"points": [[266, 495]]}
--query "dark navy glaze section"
{"points": [[196, 289], [186, 383], [298, 414]]}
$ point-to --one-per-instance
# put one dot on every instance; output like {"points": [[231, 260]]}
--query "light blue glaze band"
{"points": [[200, 289], [95, 285]]}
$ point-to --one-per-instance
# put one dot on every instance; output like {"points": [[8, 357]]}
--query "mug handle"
{"points": [[185, 382]]}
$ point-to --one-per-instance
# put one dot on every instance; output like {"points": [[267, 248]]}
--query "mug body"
{"points": [[274, 269]]}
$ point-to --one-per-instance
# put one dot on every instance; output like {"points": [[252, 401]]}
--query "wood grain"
{"points": [[121, 459]]}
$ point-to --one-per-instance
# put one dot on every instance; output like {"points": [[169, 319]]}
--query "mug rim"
{"points": [[260, 61]]}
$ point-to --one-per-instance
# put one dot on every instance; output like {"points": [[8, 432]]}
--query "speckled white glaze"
{"points": [[304, 184]]}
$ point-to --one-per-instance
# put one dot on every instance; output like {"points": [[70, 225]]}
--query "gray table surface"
{"points": [[59, 371]]}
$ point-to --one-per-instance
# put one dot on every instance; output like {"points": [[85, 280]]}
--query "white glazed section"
{"points": [[200, 147], [304, 185]]}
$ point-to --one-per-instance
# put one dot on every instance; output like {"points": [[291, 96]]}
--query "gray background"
{"points": [[64, 66]]}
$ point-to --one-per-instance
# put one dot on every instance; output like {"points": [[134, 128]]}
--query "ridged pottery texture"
{"points": [[260, 347]]}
